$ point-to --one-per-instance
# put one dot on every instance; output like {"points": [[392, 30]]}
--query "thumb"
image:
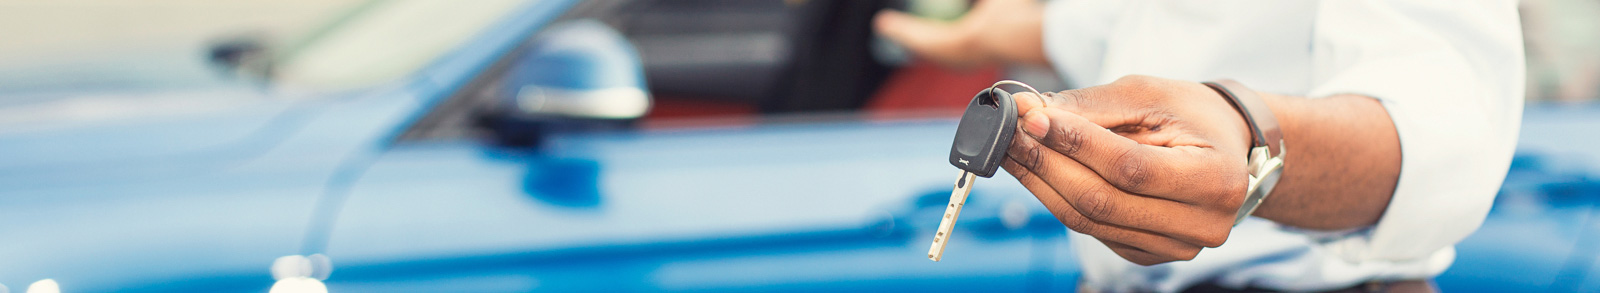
{"points": [[943, 42]]}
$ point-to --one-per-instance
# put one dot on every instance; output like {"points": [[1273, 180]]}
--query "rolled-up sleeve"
{"points": [[1450, 74]]}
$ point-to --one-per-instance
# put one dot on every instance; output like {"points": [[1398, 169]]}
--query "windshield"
{"points": [[385, 41], [110, 46]]}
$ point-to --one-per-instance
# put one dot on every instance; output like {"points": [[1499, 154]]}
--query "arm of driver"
{"points": [[1450, 76]]}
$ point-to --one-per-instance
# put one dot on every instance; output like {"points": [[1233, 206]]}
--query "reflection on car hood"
{"points": [[108, 192], [73, 138]]}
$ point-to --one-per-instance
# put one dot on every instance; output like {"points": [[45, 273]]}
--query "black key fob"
{"points": [[985, 132]]}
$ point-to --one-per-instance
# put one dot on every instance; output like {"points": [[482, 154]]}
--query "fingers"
{"points": [[1143, 169], [1095, 199], [1027, 101], [1107, 105], [943, 42], [1160, 246], [1083, 102]]}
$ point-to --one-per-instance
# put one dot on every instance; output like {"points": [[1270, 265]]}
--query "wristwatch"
{"points": [[1266, 147]]}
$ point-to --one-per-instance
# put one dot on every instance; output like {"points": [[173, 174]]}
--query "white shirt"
{"points": [[1450, 74]]}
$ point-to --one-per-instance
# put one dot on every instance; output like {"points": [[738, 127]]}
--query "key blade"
{"points": [[958, 198]]}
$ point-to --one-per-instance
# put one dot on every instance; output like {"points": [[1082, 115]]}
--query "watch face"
{"points": [[1264, 174]]}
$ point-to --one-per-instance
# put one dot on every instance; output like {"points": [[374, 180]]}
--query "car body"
{"points": [[140, 195]]}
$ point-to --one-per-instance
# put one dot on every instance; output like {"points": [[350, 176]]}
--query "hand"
{"points": [[1154, 168], [993, 31]]}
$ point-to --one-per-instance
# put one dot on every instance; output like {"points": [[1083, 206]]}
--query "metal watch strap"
{"points": [[1266, 147]]}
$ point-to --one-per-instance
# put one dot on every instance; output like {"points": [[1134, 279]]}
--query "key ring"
{"points": [[1042, 102]]}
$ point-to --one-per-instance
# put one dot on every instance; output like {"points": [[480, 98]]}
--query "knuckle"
{"points": [[1018, 144], [1132, 170], [1215, 237], [1073, 100], [1069, 140], [1063, 97], [1137, 80], [1095, 204], [1075, 222], [1187, 253], [1026, 154], [1035, 156], [1051, 98]]}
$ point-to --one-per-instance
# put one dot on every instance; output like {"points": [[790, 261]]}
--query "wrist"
{"points": [[1266, 150], [1284, 108], [1333, 183]]}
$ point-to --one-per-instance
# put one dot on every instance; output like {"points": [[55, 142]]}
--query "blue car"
{"points": [[496, 146]]}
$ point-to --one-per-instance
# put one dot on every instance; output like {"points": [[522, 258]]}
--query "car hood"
{"points": [[70, 139], [117, 192], [223, 227]]}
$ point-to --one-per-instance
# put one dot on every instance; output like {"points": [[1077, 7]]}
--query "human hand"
{"points": [[1154, 168], [993, 31]]}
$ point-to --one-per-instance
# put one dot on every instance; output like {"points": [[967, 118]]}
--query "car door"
{"points": [[816, 203], [822, 205]]}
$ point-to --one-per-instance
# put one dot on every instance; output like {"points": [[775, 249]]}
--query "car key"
{"points": [[982, 138]]}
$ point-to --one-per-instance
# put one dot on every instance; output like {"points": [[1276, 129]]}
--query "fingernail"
{"points": [[1035, 124]]}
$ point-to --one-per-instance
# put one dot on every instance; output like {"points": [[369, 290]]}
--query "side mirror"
{"points": [[241, 55], [581, 69]]}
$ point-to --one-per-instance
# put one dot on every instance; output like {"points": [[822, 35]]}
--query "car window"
{"points": [[81, 46], [162, 44], [386, 41]]}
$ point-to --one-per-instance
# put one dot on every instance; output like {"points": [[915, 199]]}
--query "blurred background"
{"points": [[603, 145]]}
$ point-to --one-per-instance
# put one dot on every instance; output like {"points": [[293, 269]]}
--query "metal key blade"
{"points": [[958, 198]]}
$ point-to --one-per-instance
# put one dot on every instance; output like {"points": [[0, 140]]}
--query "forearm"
{"points": [[1342, 162]]}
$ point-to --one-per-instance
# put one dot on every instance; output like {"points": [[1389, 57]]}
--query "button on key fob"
{"points": [[982, 138]]}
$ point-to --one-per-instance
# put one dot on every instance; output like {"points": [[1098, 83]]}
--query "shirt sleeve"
{"points": [[1450, 75], [1075, 37]]}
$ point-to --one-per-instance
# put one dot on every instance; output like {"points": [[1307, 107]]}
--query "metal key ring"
{"points": [[1042, 102]]}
